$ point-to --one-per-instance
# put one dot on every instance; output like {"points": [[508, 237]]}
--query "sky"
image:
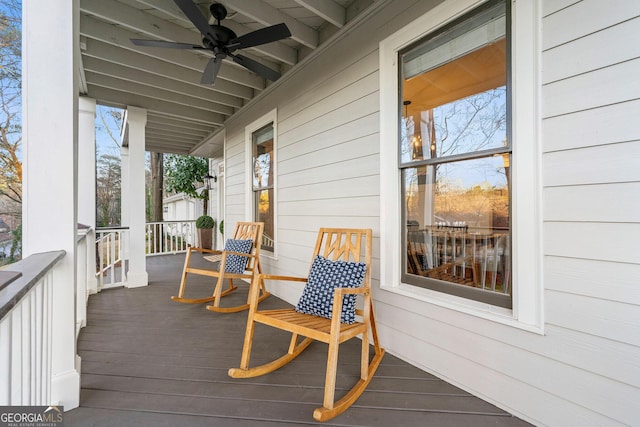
{"points": [[107, 129]]}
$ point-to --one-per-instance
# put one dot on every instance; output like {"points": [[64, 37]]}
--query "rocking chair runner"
{"points": [[232, 266], [338, 246]]}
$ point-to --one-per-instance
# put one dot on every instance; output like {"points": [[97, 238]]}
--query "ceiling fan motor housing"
{"points": [[223, 36]]}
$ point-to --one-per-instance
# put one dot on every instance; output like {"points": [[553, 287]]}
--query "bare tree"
{"points": [[108, 192], [108, 173], [10, 119]]}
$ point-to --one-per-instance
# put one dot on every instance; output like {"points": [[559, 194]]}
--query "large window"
{"points": [[460, 183], [454, 158], [263, 182]]}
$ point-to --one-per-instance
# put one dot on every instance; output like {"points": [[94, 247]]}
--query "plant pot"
{"points": [[205, 235]]}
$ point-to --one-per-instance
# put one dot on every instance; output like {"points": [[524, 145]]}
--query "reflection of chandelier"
{"points": [[432, 134], [410, 129], [416, 141]]}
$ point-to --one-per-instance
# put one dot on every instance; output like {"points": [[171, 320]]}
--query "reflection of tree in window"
{"points": [[470, 124]]}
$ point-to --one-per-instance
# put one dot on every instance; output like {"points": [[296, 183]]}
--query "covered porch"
{"points": [[147, 360]]}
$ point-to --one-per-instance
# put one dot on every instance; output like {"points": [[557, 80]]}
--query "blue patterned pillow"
{"points": [[236, 263], [324, 277]]}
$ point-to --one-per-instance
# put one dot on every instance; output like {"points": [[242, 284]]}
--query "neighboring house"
{"points": [[546, 207], [181, 207]]}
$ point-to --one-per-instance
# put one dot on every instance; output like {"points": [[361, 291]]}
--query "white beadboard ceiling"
{"points": [[183, 115]]}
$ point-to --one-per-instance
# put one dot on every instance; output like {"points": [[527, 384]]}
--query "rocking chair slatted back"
{"points": [[339, 243]]}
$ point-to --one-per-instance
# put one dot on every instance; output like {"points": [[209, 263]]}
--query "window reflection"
{"points": [[457, 222], [263, 183]]}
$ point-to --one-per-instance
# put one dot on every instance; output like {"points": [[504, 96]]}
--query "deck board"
{"points": [[147, 360]]}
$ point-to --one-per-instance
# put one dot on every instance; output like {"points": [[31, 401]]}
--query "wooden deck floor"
{"points": [[150, 361]]}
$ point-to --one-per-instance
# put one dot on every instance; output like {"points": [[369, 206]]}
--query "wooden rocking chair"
{"points": [[232, 266], [336, 246]]}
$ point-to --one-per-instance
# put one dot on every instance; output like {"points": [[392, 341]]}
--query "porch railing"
{"points": [[111, 247], [26, 333], [170, 237]]}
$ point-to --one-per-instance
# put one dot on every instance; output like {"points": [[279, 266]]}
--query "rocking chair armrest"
{"points": [[206, 251], [337, 298], [343, 291], [284, 278], [337, 304]]}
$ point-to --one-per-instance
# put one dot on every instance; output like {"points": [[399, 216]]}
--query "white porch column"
{"points": [[137, 273], [124, 197], [87, 185], [124, 186], [50, 138], [87, 161]]}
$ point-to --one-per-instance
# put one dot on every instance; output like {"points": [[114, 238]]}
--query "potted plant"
{"points": [[205, 225]]}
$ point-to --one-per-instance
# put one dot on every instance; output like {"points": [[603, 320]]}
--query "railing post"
{"points": [[92, 284], [81, 281]]}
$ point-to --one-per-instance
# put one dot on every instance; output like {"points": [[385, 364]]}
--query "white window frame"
{"points": [[270, 117], [527, 312]]}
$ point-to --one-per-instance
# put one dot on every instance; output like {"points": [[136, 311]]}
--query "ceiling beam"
{"points": [[166, 144], [327, 10], [98, 66], [227, 93], [182, 124], [153, 92], [156, 147], [98, 30], [172, 130], [268, 15], [124, 99], [164, 135], [188, 144]]}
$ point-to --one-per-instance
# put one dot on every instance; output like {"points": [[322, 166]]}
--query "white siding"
{"points": [[585, 370], [591, 159]]}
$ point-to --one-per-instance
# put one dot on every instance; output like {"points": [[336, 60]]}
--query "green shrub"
{"points": [[205, 221]]}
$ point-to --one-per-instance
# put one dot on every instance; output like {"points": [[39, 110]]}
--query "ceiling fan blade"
{"points": [[256, 67], [211, 71], [191, 11], [162, 43], [261, 36]]}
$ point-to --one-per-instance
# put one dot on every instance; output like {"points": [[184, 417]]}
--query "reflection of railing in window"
{"points": [[267, 242], [474, 258]]}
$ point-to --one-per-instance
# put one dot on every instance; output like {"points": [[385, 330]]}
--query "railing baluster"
{"points": [[169, 237]]}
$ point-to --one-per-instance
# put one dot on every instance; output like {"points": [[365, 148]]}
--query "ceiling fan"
{"points": [[223, 42]]}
